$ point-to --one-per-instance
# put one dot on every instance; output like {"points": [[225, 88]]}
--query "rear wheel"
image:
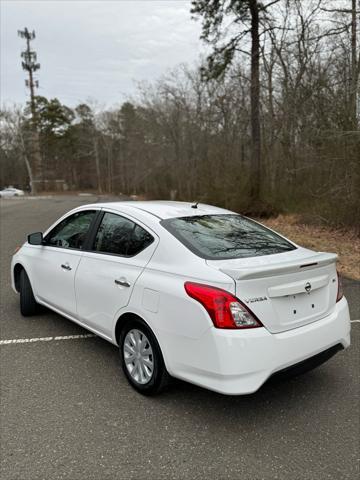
{"points": [[28, 304], [141, 358]]}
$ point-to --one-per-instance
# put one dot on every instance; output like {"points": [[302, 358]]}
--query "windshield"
{"points": [[221, 237]]}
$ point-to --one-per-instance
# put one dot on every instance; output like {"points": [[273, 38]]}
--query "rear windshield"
{"points": [[219, 237]]}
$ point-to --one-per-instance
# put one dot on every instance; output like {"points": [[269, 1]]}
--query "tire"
{"points": [[138, 371], [28, 304]]}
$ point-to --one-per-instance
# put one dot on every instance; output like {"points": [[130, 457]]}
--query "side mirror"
{"points": [[35, 238]]}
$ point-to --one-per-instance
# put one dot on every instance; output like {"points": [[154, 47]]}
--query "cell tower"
{"points": [[30, 65]]}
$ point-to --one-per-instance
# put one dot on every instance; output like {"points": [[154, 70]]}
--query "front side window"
{"points": [[221, 237], [121, 236], [71, 232]]}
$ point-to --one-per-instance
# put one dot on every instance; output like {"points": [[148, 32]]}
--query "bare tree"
{"points": [[13, 135], [245, 18]]}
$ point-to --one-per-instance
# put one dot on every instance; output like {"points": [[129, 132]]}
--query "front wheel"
{"points": [[141, 358], [28, 304]]}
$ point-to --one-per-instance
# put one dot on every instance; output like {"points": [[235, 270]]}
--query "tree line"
{"points": [[282, 138]]}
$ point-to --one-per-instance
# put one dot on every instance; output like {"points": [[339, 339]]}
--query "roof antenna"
{"points": [[194, 205]]}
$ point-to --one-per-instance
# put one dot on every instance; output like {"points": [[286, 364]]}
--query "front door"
{"points": [[55, 263]]}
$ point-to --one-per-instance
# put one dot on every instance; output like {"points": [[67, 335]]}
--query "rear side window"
{"points": [[120, 236], [221, 237]]}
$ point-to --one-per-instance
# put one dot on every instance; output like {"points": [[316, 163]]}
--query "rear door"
{"points": [[54, 264], [120, 250]]}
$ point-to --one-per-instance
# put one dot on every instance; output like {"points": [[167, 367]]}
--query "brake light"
{"points": [[340, 291], [225, 310]]}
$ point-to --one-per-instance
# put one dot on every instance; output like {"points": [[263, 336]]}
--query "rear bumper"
{"points": [[308, 363], [239, 362]]}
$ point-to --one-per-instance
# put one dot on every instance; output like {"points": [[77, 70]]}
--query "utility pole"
{"points": [[30, 65]]}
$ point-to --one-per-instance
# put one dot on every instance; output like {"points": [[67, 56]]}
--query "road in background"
{"points": [[67, 411]]}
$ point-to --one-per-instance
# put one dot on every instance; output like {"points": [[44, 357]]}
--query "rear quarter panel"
{"points": [[159, 297]]}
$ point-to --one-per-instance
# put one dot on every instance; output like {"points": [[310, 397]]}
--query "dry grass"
{"points": [[345, 243]]}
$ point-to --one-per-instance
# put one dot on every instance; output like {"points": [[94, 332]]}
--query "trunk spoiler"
{"points": [[315, 261]]}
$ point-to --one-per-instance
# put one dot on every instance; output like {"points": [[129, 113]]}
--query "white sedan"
{"points": [[190, 291], [11, 192]]}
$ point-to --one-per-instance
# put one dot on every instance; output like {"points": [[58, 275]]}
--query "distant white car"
{"points": [[191, 291], [11, 192]]}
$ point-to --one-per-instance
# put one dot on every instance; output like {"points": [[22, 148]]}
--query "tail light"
{"points": [[340, 291], [225, 310]]}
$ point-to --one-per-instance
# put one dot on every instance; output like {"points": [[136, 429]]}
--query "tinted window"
{"points": [[225, 236], [120, 236], [71, 232]]}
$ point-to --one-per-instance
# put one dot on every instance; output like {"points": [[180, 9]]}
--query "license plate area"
{"points": [[301, 307]]}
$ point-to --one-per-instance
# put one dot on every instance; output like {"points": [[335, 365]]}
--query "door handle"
{"points": [[123, 283], [65, 266]]}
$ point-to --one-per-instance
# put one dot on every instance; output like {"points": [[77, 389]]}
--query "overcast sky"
{"points": [[95, 48]]}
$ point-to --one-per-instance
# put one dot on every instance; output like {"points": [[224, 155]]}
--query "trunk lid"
{"points": [[285, 290]]}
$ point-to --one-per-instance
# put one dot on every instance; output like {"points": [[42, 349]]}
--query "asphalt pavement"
{"points": [[67, 411]]}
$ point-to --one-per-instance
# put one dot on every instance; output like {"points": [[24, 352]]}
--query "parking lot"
{"points": [[67, 411]]}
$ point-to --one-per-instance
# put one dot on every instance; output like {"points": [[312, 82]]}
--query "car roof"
{"points": [[165, 209]]}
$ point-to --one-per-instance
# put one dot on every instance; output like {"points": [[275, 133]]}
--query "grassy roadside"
{"points": [[345, 243]]}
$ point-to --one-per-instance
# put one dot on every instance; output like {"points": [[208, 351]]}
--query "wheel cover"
{"points": [[138, 356]]}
